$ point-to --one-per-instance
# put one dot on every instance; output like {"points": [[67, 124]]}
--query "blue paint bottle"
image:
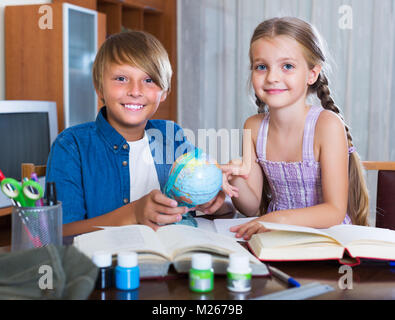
{"points": [[127, 272]]}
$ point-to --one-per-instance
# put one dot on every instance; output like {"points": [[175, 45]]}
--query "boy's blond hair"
{"points": [[138, 49]]}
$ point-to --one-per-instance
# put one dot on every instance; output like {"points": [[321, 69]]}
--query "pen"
{"points": [[34, 177], [283, 277], [51, 194]]}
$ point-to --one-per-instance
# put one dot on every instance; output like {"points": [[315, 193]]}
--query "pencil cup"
{"points": [[36, 227]]}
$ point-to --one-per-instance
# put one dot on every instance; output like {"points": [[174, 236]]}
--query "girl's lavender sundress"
{"points": [[293, 184]]}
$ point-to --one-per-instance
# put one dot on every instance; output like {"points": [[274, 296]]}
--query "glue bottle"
{"points": [[201, 275], [127, 272], [239, 273], [103, 260]]}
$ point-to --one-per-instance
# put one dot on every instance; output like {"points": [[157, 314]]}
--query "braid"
{"points": [[358, 198], [261, 105], [323, 93]]}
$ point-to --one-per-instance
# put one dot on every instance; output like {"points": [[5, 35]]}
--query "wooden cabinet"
{"points": [[158, 17], [35, 58], [52, 61]]}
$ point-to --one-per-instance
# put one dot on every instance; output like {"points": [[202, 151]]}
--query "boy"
{"points": [[111, 171]]}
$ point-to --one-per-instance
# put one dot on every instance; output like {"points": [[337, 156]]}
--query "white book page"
{"points": [[353, 233], [282, 239], [206, 224], [136, 238], [178, 239], [292, 228], [223, 225]]}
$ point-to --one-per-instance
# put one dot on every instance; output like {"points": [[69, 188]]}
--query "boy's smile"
{"points": [[131, 98]]}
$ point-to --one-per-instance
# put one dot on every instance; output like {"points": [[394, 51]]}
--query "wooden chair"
{"points": [[29, 168], [385, 201]]}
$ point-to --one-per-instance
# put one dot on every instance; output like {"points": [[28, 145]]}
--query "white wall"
{"points": [[4, 3]]}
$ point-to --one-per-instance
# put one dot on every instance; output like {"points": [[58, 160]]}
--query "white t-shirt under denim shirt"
{"points": [[142, 171]]}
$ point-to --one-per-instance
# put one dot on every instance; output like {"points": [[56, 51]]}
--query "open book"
{"points": [[172, 244], [222, 226], [288, 242]]}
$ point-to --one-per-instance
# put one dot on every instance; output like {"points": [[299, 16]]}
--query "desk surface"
{"points": [[369, 281]]}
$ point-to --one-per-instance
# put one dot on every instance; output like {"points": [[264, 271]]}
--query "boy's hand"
{"points": [[213, 205], [155, 209]]}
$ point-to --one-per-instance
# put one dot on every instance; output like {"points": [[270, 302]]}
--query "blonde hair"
{"points": [[138, 49], [311, 43]]}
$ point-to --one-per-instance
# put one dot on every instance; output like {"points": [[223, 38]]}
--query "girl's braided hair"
{"points": [[310, 41]]}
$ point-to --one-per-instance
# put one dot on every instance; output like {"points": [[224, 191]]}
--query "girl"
{"points": [[110, 172], [299, 165]]}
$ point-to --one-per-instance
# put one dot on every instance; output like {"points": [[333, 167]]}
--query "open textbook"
{"points": [[289, 243], [222, 226], [172, 244]]}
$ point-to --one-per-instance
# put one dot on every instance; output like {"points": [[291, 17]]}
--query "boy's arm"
{"points": [[64, 168], [153, 210]]}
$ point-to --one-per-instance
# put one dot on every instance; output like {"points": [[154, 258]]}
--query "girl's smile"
{"points": [[275, 91], [280, 73]]}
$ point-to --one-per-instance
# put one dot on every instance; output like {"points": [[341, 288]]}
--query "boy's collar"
{"points": [[114, 140]]}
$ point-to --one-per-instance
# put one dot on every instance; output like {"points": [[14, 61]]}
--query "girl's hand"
{"points": [[229, 171], [155, 209], [213, 205], [246, 230]]}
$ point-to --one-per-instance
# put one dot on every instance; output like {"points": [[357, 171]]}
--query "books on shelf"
{"points": [[172, 244], [292, 243]]}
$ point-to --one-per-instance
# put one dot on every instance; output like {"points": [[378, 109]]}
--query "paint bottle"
{"points": [[201, 274], [103, 260], [239, 273], [127, 272]]}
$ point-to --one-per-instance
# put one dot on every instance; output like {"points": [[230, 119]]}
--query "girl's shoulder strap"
{"points": [[309, 130], [262, 137]]}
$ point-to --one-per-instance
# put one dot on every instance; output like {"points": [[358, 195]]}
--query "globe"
{"points": [[194, 179]]}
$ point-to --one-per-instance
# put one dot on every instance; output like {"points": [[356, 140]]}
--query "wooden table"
{"points": [[372, 281]]}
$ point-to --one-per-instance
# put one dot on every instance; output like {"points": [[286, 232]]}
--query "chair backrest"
{"points": [[29, 168], [385, 201]]}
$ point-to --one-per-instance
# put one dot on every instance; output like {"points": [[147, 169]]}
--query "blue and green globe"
{"points": [[193, 179]]}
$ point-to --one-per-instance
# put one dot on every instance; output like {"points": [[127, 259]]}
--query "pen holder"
{"points": [[34, 227]]}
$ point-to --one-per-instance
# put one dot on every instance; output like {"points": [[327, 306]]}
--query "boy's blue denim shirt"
{"points": [[90, 164]]}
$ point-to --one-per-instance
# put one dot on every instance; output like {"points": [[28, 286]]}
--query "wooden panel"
{"points": [[133, 18], [89, 4], [154, 24], [28, 168], [156, 5], [101, 37], [168, 109], [5, 230], [113, 12], [36, 72], [379, 165], [5, 211]]}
